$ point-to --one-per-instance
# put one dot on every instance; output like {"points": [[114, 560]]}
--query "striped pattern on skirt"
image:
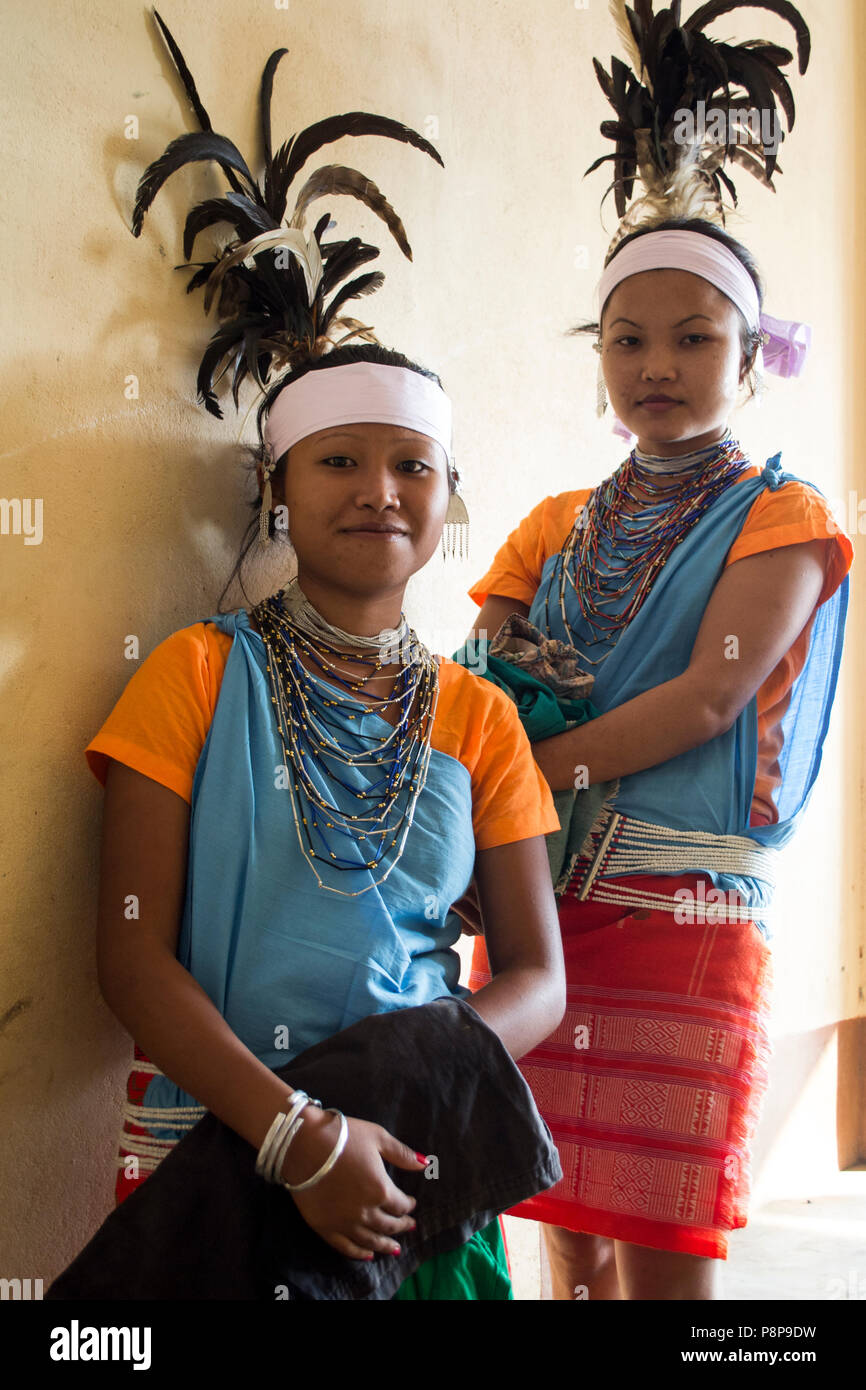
{"points": [[652, 1083]]}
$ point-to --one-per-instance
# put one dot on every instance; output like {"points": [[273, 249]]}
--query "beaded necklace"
{"points": [[304, 703], [610, 594]]}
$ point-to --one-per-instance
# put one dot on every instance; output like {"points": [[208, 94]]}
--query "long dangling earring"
{"points": [[760, 386], [268, 467], [600, 388], [754, 377], [456, 529]]}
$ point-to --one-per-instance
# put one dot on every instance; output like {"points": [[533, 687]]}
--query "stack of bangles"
{"points": [[272, 1154]]}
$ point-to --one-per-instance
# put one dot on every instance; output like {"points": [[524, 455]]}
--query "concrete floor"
{"points": [[812, 1247]]}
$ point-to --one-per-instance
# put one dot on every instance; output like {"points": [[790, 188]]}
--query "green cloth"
{"points": [[541, 713], [476, 1270], [544, 715]]}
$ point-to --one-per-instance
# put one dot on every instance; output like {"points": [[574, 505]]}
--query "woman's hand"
{"points": [[357, 1209]]}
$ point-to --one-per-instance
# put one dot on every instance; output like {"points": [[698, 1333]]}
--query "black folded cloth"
{"points": [[204, 1226]]}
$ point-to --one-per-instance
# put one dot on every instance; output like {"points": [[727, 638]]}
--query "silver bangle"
{"points": [[283, 1141], [283, 1129], [329, 1161], [264, 1152], [288, 1127], [283, 1119], [294, 1119]]}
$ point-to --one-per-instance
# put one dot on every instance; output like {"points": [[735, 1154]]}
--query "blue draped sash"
{"points": [[708, 788], [286, 962]]}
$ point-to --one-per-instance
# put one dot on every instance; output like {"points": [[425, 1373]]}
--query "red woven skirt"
{"points": [[652, 1083]]}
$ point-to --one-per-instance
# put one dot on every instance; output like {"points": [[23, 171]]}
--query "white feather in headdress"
{"points": [[619, 13]]}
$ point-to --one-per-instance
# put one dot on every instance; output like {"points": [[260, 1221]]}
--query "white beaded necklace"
{"points": [[290, 625]]}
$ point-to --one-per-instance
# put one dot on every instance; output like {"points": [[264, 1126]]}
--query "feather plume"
{"points": [[270, 280], [184, 73], [265, 95], [620, 13], [333, 178], [678, 78], [306, 253]]}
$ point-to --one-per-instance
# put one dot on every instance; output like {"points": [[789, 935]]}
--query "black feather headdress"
{"points": [[679, 76], [271, 282]]}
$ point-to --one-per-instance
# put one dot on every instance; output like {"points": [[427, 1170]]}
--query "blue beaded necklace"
{"points": [[320, 764], [613, 556]]}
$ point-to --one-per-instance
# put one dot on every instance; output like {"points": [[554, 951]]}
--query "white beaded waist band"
{"points": [[150, 1149], [619, 844]]}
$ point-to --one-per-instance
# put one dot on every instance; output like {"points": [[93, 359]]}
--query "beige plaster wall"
{"points": [[143, 500]]}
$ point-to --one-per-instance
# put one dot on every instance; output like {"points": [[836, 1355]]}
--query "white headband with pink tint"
{"points": [[787, 343], [358, 393]]}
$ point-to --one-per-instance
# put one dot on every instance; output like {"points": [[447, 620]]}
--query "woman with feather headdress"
{"points": [[319, 896], [707, 596]]}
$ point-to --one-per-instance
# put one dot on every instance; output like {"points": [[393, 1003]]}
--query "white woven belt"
{"points": [[629, 846], [149, 1149]]}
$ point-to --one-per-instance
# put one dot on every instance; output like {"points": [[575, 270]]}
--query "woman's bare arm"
{"points": [[145, 840], [525, 1000], [764, 602]]}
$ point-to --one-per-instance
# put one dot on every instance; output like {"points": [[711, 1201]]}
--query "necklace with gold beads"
{"points": [[310, 715]]}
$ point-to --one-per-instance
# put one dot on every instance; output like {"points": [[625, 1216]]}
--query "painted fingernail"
{"points": [[396, 1250], [413, 1227], [422, 1158], [368, 1257]]}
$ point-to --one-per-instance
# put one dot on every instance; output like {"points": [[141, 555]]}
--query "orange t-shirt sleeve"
{"points": [[518, 564], [481, 728], [795, 513], [160, 723]]}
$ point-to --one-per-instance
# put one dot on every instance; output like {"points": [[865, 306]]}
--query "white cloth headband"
{"points": [[680, 250], [786, 341], [357, 393]]}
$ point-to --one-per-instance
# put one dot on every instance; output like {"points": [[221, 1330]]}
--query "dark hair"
{"points": [[749, 339], [255, 456]]}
